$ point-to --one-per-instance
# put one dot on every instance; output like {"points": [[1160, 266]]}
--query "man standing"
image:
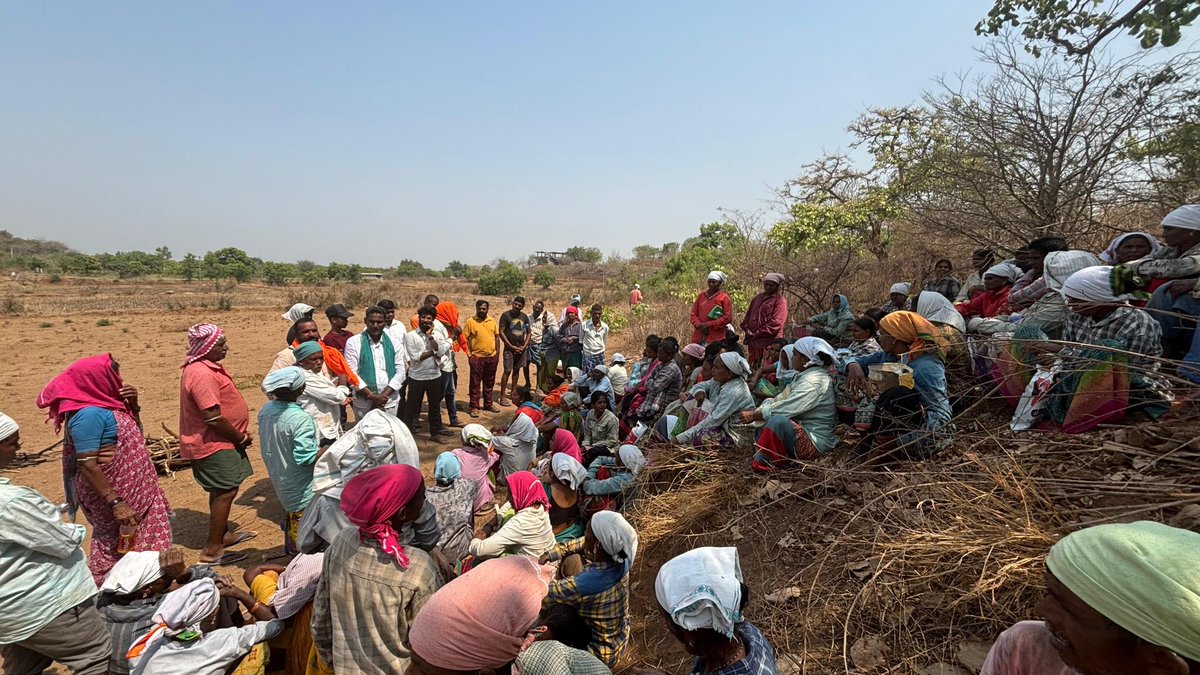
{"points": [[431, 301], [547, 340], [339, 318], [213, 418], [335, 366], [395, 329], [288, 443], [447, 321], [515, 333], [424, 351], [635, 296], [537, 328], [594, 335], [483, 351], [712, 311], [765, 317], [379, 363], [47, 611]]}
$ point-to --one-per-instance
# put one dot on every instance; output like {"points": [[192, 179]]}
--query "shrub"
{"points": [[543, 278], [11, 306], [506, 279], [103, 322], [54, 278], [224, 303], [45, 324], [613, 317]]}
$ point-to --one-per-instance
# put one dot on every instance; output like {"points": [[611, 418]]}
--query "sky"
{"points": [[372, 132]]}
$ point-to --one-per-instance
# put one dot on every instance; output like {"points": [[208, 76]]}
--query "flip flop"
{"points": [[242, 537], [225, 559]]}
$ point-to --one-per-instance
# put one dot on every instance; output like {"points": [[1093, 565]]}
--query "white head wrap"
{"points": [[573, 374], [185, 607], [1186, 217], [377, 439], [131, 572], [638, 286], [476, 435], [812, 347], [902, 288], [632, 457], [616, 536], [737, 364], [1058, 266], [522, 429], [716, 275], [935, 307], [8, 426], [297, 312], [618, 358], [1005, 270], [600, 368], [702, 589], [290, 378], [1093, 284], [783, 368], [1109, 256], [568, 469]]}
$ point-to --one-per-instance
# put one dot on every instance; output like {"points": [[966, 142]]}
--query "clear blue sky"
{"points": [[372, 132]]}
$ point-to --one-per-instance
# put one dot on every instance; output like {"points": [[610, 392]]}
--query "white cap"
{"points": [[618, 358]]}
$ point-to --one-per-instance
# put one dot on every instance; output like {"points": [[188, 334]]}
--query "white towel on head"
{"points": [[1186, 217], [133, 571], [298, 311], [813, 347], [1005, 270], [902, 288], [717, 275], [632, 457], [1092, 284], [737, 364], [567, 469], [8, 426], [616, 536], [702, 589], [1060, 265], [937, 309]]}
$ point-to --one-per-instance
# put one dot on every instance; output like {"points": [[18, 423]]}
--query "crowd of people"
{"points": [[516, 555]]}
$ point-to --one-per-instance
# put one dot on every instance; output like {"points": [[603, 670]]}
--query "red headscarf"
{"points": [[202, 337], [371, 498], [89, 382], [447, 313], [564, 441], [524, 491]]}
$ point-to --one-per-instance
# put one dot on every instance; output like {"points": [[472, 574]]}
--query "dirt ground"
{"points": [[143, 325]]}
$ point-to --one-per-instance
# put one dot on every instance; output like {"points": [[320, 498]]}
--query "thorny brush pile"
{"points": [[914, 569]]}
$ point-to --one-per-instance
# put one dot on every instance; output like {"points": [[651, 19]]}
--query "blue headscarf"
{"points": [[447, 469]]}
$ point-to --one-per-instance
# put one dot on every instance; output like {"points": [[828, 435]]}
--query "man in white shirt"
{"points": [[379, 363], [395, 329], [424, 349], [594, 335], [47, 609]]}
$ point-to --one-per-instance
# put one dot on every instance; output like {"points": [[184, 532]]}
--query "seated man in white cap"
{"points": [[617, 375], [1180, 262], [898, 300], [1119, 599], [47, 612]]}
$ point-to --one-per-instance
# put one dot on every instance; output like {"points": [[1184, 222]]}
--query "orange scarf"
{"points": [[447, 313], [335, 363], [916, 330]]}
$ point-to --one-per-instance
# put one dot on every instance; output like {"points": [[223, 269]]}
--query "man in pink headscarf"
{"points": [[481, 619], [765, 317], [372, 585], [213, 418]]}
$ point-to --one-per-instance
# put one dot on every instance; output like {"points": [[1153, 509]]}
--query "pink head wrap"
{"points": [[694, 350], [480, 619], [564, 441], [524, 491], [573, 310], [371, 498], [89, 382], [202, 337]]}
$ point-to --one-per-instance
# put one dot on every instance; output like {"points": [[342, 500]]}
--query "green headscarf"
{"points": [[306, 349], [1143, 576]]}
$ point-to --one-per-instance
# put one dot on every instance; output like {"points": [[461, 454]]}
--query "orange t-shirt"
{"points": [[205, 384]]}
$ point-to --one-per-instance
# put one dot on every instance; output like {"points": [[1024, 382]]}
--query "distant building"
{"points": [[372, 276]]}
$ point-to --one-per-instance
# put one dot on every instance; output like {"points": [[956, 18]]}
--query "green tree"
{"points": [[277, 274], [132, 264], [584, 254], [412, 268], [646, 252], [670, 248], [189, 267], [543, 279], [1078, 27], [458, 269], [506, 279], [78, 263], [228, 263]]}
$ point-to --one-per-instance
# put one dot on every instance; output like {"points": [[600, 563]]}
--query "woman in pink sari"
{"points": [[564, 441], [106, 468], [476, 458]]}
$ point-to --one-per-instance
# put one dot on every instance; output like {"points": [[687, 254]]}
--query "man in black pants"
{"points": [[424, 349]]}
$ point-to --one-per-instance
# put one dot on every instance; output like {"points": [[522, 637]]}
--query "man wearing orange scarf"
{"points": [[447, 319], [307, 330]]}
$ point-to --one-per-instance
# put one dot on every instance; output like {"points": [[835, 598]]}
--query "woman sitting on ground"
{"points": [[570, 416], [611, 479], [601, 430], [286, 592], [523, 398], [898, 300], [906, 420], [834, 324], [527, 532], [765, 381], [799, 421], [690, 359], [855, 408], [596, 382], [998, 280], [475, 459], [703, 597], [939, 312], [562, 489], [638, 372], [941, 282], [517, 446], [661, 385], [563, 442], [185, 638], [1095, 384], [454, 498], [558, 386], [729, 394], [1119, 599], [600, 590]]}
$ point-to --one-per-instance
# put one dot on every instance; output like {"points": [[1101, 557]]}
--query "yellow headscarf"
{"points": [[916, 330]]}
